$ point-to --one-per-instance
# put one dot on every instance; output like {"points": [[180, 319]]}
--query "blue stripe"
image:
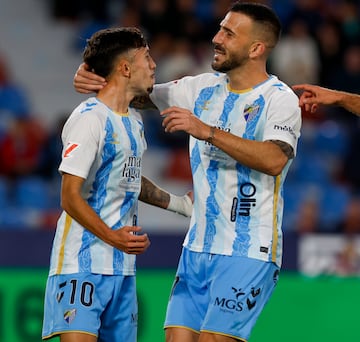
{"points": [[133, 143], [195, 158], [212, 174], [212, 206], [202, 99], [228, 107], [98, 194], [128, 202], [242, 241]]}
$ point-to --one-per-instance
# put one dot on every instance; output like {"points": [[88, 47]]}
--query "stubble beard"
{"points": [[229, 64]]}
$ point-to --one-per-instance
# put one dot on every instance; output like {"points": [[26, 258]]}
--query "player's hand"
{"points": [[127, 241], [180, 119], [87, 82], [312, 96]]}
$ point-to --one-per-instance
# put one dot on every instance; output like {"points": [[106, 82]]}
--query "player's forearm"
{"points": [[266, 157], [350, 102], [81, 212], [152, 194]]}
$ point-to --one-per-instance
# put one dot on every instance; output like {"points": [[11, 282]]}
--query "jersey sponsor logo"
{"points": [[285, 129], [242, 206], [70, 148], [238, 302], [132, 169]]}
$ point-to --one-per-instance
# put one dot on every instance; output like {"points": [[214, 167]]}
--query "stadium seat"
{"points": [[32, 192]]}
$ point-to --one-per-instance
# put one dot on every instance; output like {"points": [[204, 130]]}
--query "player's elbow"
{"points": [[65, 204], [275, 166]]}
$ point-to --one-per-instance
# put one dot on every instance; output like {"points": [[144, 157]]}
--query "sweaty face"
{"points": [[232, 42]]}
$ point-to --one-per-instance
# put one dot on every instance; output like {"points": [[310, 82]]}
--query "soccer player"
{"points": [[244, 126], [314, 95], [91, 291]]}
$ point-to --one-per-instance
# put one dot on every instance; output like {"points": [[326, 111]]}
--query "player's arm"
{"points": [[73, 203], [268, 157], [351, 102], [313, 95], [154, 195]]}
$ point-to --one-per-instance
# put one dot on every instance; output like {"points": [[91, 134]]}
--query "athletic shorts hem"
{"points": [[182, 327], [224, 334], [57, 333]]}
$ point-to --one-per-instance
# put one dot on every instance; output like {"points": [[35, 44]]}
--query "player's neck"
{"points": [[116, 99], [246, 77]]}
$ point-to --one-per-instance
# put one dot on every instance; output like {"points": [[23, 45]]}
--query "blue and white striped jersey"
{"points": [[237, 210], [106, 149]]}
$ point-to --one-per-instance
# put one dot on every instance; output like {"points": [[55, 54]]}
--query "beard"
{"points": [[232, 62]]}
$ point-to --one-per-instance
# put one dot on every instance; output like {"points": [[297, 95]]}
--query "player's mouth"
{"points": [[218, 50]]}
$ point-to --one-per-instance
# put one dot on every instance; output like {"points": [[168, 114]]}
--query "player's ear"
{"points": [[124, 67], [257, 49]]}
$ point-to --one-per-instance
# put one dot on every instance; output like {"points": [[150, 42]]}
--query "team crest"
{"points": [[250, 112], [69, 315]]}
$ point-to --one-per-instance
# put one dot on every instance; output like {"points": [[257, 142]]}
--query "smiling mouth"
{"points": [[218, 50]]}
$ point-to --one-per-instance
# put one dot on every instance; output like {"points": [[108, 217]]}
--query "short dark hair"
{"points": [[262, 15], [104, 46]]}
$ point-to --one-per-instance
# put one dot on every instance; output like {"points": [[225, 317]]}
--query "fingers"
{"points": [[175, 119], [313, 108], [299, 86], [138, 245], [169, 110], [131, 243], [86, 82], [86, 88], [172, 125], [305, 87]]}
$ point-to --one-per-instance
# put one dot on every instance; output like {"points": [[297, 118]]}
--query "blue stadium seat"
{"points": [[32, 192]]}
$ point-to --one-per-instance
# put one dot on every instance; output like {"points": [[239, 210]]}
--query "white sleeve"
{"points": [[80, 139], [174, 93], [284, 119]]}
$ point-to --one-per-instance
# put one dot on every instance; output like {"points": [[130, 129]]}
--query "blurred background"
{"points": [[41, 43]]}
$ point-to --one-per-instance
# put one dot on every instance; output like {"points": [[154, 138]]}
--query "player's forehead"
{"points": [[236, 22], [141, 51]]}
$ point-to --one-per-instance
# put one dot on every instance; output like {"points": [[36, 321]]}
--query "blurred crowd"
{"points": [[320, 44]]}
